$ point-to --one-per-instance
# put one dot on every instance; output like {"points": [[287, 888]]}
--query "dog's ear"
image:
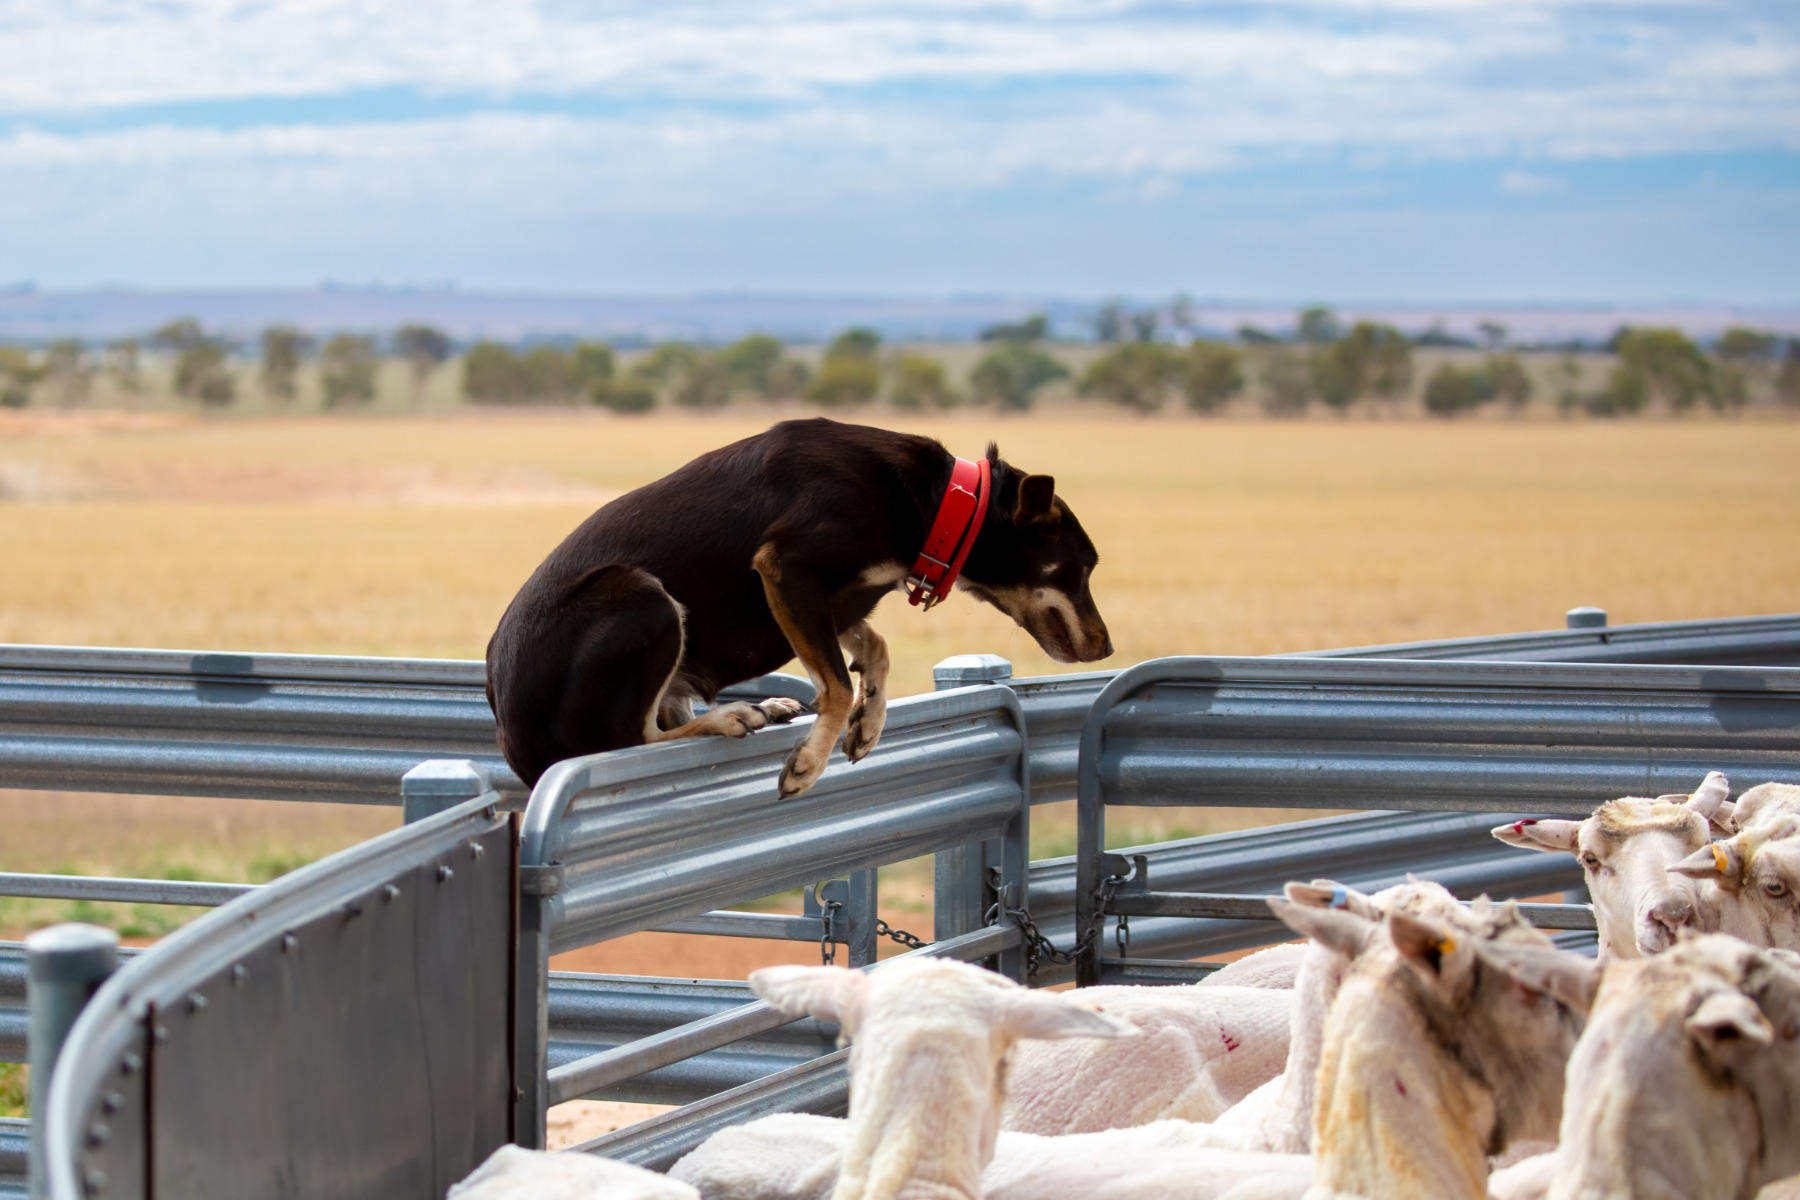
{"points": [[993, 454], [1036, 505]]}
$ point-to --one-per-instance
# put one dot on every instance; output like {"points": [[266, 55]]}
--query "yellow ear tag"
{"points": [[1446, 946], [1721, 863]]}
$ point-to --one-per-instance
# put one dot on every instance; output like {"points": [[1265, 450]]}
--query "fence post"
{"points": [[960, 891], [439, 784], [66, 964], [1586, 617]]}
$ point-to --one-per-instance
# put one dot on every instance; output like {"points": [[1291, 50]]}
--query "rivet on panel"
{"points": [[390, 893], [94, 1181], [161, 1033], [444, 874], [111, 1103], [240, 975], [476, 850], [196, 1002], [99, 1134], [129, 1064], [289, 943]]}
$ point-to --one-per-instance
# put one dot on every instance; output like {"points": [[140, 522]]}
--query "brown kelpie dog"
{"points": [[778, 546]]}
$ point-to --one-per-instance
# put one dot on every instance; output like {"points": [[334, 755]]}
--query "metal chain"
{"points": [[827, 944], [1040, 949], [910, 941]]}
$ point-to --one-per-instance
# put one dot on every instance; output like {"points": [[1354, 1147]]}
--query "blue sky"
{"points": [[1378, 150]]}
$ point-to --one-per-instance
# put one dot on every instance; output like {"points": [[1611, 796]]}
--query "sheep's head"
{"points": [[1686, 1081], [1625, 849], [1766, 802], [929, 1041], [1755, 880]]}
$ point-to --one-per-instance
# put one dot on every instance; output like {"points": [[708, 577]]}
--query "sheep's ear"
{"points": [[1713, 791], [1335, 929], [827, 993], [1328, 893], [1555, 837], [1036, 506], [1572, 979], [1719, 861], [1724, 820], [1441, 956], [1028, 1014], [1726, 1026]]}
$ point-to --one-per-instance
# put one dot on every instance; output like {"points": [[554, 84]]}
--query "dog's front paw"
{"points": [[864, 730], [780, 710], [801, 771]]}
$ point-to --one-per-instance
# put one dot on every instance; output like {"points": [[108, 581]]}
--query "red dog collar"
{"points": [[953, 533]]}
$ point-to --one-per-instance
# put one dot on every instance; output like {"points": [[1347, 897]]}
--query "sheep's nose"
{"points": [[1672, 913]]}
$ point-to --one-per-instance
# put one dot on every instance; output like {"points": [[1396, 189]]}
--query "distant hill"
{"points": [[33, 316]]}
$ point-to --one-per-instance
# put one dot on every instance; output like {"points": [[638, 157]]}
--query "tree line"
{"points": [[1138, 365]]}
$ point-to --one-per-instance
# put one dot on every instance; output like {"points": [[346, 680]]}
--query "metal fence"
{"points": [[1421, 736]]}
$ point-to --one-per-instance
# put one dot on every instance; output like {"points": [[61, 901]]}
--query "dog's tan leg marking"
{"points": [[807, 763], [868, 653]]}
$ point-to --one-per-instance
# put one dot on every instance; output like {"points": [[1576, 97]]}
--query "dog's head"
{"points": [[1033, 562]]}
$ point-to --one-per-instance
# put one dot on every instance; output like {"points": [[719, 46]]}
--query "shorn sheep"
{"points": [[1750, 882], [1685, 1084], [1626, 849], [514, 1174]]}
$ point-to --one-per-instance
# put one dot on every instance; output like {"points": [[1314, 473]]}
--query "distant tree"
{"points": [[665, 362], [1144, 325], [625, 394], [283, 348], [591, 366], [1109, 323], [202, 369], [749, 362], [548, 376], [1032, 329], [1507, 381], [347, 368], [1437, 335], [1251, 335], [1134, 374], [1787, 380], [1010, 376], [1742, 345], [492, 374], [1287, 383], [1493, 333], [425, 349], [1452, 390], [1211, 373], [920, 383], [70, 372], [1624, 395], [18, 375], [702, 382], [123, 363], [1568, 394], [1371, 360], [850, 374], [788, 378], [1182, 315], [1669, 366], [1317, 325]]}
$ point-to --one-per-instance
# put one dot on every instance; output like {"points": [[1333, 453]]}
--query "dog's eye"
{"points": [[1776, 888]]}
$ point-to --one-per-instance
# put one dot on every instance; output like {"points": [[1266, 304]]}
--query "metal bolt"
{"points": [[196, 1002], [1586, 618], [289, 943], [240, 975], [160, 1034], [129, 1064], [390, 893], [111, 1103], [99, 1134], [476, 850], [94, 1181], [444, 874]]}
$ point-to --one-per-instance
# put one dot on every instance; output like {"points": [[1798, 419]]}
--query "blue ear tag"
{"points": [[1340, 896]]}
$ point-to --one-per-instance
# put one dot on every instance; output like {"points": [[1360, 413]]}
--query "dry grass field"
{"points": [[407, 536]]}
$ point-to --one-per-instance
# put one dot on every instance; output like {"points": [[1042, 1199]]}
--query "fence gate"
{"points": [[344, 1032]]}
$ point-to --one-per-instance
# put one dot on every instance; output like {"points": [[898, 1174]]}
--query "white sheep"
{"points": [[1685, 1083], [1749, 882], [1434, 1058], [928, 1041], [1626, 849], [514, 1174]]}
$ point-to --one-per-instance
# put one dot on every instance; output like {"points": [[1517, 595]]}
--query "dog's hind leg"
{"points": [[672, 715], [869, 659]]}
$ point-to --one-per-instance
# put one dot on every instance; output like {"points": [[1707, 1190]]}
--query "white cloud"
{"points": [[1525, 183]]}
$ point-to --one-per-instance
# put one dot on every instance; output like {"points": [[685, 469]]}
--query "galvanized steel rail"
{"points": [[1424, 736]]}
